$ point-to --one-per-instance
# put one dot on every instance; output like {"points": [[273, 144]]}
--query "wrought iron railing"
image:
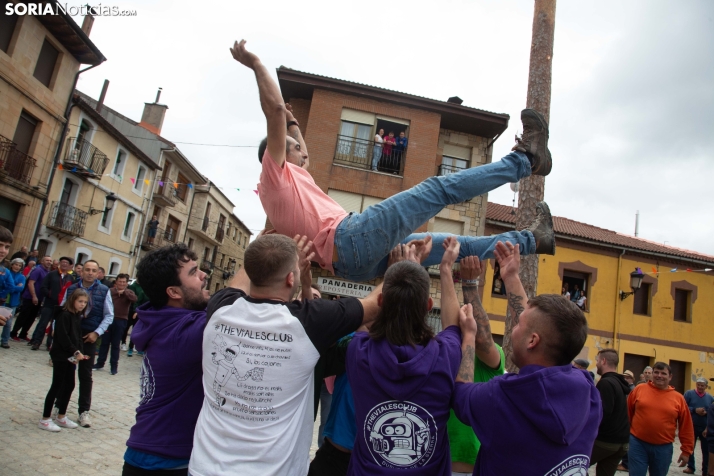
{"points": [[67, 219], [433, 319], [449, 169], [160, 237], [14, 163], [82, 156], [365, 154]]}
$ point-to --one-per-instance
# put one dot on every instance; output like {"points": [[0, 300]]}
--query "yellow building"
{"points": [[669, 319], [40, 58]]}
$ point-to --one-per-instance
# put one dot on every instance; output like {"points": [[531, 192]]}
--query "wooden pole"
{"points": [[532, 188]]}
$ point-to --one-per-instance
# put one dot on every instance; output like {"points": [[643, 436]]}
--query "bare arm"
{"points": [[468, 339], [486, 349], [449, 300], [271, 101], [304, 257], [509, 259]]}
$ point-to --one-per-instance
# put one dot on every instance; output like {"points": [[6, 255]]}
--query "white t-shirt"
{"points": [[581, 302], [378, 140], [259, 358]]}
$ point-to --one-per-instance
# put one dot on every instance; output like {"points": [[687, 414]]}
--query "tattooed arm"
{"points": [[468, 339], [509, 258], [485, 348]]}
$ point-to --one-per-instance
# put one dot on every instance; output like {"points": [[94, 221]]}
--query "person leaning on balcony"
{"points": [[377, 150], [295, 205], [153, 226], [656, 409], [402, 143]]}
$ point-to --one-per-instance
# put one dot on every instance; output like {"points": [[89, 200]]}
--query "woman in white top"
{"points": [[566, 293], [582, 301], [377, 151]]}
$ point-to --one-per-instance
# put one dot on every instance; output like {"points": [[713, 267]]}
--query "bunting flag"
{"points": [[133, 180], [59, 167], [146, 182], [673, 270], [689, 270], [256, 192], [175, 185], [190, 185], [120, 178], [654, 270], [161, 183], [74, 169], [238, 189]]}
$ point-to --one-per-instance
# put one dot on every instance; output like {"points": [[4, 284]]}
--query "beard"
{"points": [[194, 300]]}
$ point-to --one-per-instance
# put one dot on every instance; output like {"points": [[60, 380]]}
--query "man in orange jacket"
{"points": [[655, 410]]}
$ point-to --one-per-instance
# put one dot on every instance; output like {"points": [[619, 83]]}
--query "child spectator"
{"points": [[64, 354]]}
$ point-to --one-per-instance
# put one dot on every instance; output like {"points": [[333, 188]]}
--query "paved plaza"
{"points": [[25, 377]]}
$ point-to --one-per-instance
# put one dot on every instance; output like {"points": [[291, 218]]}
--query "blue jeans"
{"points": [[697, 436], [643, 455], [364, 240], [5, 336], [112, 337], [376, 155]]}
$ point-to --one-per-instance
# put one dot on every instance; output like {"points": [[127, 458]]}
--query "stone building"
{"points": [[339, 120], [40, 57]]}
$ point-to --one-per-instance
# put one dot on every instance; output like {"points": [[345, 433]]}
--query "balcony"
{"points": [[219, 234], [205, 229], [358, 153], [66, 219], [162, 237], [165, 195], [449, 169], [82, 158], [15, 164]]}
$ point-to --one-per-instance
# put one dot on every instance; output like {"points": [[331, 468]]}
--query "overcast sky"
{"points": [[632, 110]]}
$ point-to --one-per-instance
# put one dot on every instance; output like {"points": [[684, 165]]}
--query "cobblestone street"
{"points": [[25, 377]]}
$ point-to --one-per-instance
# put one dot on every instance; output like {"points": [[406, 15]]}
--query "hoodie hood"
{"points": [[556, 400], [618, 380], [402, 371], [152, 321]]}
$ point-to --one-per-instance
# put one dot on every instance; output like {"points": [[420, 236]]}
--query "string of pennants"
{"points": [[677, 270], [148, 182]]}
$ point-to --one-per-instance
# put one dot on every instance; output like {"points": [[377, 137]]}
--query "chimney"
{"points": [[455, 100], [153, 117], [100, 103], [87, 23]]}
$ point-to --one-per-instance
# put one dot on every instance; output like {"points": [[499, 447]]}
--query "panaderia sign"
{"points": [[344, 288]]}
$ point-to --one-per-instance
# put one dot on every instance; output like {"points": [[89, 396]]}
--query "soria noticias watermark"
{"points": [[56, 8]]}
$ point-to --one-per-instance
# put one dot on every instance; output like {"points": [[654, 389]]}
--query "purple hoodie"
{"points": [[542, 421], [401, 396], [171, 385]]}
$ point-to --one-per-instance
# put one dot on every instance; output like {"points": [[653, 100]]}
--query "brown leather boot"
{"points": [[534, 142], [542, 229]]}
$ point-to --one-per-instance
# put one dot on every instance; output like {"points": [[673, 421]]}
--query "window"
{"points": [[45, 68], [172, 229], [7, 28], [206, 253], [220, 227], [44, 248], [352, 202], [636, 364], [454, 227], [679, 373], [9, 209], [114, 268], [497, 288], [190, 244], [81, 258], [642, 297], [139, 182], [222, 258], [682, 305], [433, 319], [107, 216], [576, 284], [240, 237], [129, 225], [24, 132], [119, 163], [450, 165], [217, 287], [245, 240], [182, 190], [206, 217]]}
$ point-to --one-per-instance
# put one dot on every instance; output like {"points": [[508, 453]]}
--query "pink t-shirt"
{"points": [[295, 205]]}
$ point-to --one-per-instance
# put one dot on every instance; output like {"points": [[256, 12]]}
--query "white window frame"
{"points": [[75, 191], [80, 250], [138, 186], [110, 218], [113, 261], [119, 177], [92, 128], [125, 237]]}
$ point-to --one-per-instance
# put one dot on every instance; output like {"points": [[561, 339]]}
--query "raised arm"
{"points": [[449, 300], [304, 256], [271, 101], [509, 259], [486, 349]]}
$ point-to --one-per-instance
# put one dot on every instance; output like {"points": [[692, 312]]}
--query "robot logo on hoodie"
{"points": [[400, 434]]}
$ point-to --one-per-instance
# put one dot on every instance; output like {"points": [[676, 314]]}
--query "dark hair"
{"points": [[69, 303], [662, 366], [264, 145], [67, 259], [100, 269], [6, 235], [269, 258], [159, 270], [92, 261], [405, 302], [610, 356], [568, 326], [122, 276]]}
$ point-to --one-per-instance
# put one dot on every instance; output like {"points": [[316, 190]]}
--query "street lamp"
{"points": [[111, 198], [635, 283]]}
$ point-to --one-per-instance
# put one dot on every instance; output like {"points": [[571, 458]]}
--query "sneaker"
{"points": [[55, 413], [123, 347], [98, 367], [5, 345], [66, 423], [138, 352], [48, 425], [35, 346], [534, 142], [114, 372], [28, 340], [84, 420], [16, 339], [129, 352], [542, 229]]}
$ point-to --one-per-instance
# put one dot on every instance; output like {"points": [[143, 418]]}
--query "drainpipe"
{"points": [[618, 306], [58, 152]]}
